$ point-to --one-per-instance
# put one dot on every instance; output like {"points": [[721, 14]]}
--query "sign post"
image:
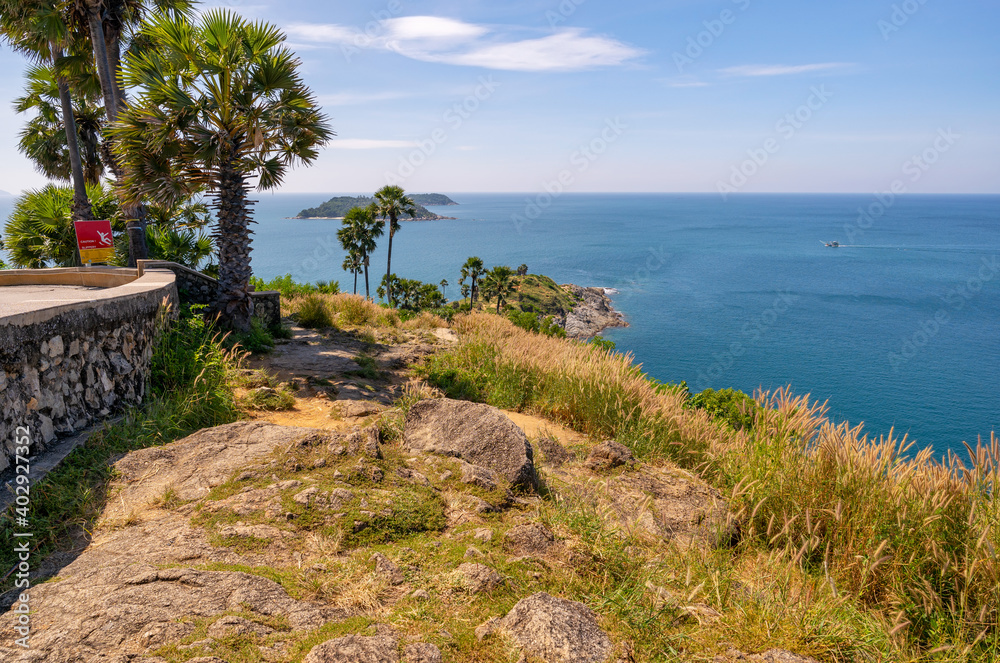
{"points": [[94, 240]]}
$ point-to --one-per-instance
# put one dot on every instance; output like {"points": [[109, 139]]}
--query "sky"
{"points": [[729, 96]]}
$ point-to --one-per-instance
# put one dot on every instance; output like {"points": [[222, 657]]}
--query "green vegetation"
{"points": [[290, 288], [540, 294], [313, 313], [339, 206], [357, 237], [730, 406], [412, 295], [883, 554], [191, 387], [534, 322]]}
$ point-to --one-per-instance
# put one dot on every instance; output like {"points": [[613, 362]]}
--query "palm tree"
{"points": [[43, 139], [391, 203], [219, 102], [472, 269], [444, 287], [522, 270], [358, 234], [499, 283], [39, 232], [38, 29]]}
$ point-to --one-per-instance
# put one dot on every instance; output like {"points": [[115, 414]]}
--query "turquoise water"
{"points": [[898, 328]]}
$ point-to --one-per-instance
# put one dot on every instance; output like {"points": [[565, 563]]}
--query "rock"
{"points": [[483, 534], [478, 578], [609, 455], [479, 434], [413, 476], [477, 475], [385, 568], [232, 625], [360, 408], [487, 628], [56, 346], [554, 454], [355, 649], [422, 652], [421, 594], [532, 539], [556, 630], [473, 551], [365, 442], [592, 314], [305, 496]]}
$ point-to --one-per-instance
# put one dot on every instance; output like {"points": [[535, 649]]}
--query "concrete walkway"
{"points": [[17, 299]]}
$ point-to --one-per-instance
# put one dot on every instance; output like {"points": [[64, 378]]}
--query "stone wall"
{"points": [[197, 288], [63, 367]]}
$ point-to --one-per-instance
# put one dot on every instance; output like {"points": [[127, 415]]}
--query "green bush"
{"points": [[313, 313], [535, 322], [257, 340], [289, 288], [734, 407]]}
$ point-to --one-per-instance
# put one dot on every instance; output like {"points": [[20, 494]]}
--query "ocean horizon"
{"points": [[896, 328]]}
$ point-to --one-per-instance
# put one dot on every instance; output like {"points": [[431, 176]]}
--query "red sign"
{"points": [[94, 240]]}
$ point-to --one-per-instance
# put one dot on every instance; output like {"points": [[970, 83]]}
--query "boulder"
{"points": [[422, 652], [530, 539], [355, 649], [609, 455], [385, 568], [478, 578], [476, 433], [556, 630]]}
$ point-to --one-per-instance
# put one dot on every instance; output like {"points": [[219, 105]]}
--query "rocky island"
{"points": [[338, 206], [583, 312]]}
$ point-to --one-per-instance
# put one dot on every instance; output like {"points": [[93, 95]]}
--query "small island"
{"points": [[338, 206]]}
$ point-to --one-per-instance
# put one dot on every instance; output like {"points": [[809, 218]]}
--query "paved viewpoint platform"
{"points": [[17, 299]]}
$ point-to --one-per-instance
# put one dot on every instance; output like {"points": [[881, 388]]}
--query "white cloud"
{"points": [[780, 69], [369, 144], [431, 27], [454, 42]]}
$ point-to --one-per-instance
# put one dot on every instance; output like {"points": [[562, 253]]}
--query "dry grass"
{"points": [[344, 310], [910, 540]]}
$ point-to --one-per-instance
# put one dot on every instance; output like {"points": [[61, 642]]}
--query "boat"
{"points": [[834, 244]]}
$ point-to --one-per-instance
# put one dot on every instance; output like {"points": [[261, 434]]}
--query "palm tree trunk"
{"points": [[81, 204], [102, 62], [388, 265], [232, 236], [355, 281], [367, 292], [107, 75], [472, 293]]}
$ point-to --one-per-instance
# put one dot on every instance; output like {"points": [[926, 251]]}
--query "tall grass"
{"points": [[339, 310], [910, 539], [191, 382]]}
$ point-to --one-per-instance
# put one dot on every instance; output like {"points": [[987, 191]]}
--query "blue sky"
{"points": [[686, 95]]}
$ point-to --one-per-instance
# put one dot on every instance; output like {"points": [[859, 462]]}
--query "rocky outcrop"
{"points": [[593, 314], [556, 630], [608, 455], [355, 649], [478, 434]]}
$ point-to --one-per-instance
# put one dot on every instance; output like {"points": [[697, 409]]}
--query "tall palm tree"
{"points": [[352, 264], [444, 287], [472, 269], [391, 203], [218, 103], [43, 139], [499, 283], [360, 230], [38, 29]]}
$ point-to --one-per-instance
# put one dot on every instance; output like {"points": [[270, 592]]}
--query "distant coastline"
{"points": [[337, 207]]}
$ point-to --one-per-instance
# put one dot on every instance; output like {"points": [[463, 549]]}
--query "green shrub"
{"points": [[733, 407], [289, 288], [536, 322], [313, 313], [258, 340]]}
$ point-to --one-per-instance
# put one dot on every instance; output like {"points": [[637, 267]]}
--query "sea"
{"points": [[898, 327]]}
